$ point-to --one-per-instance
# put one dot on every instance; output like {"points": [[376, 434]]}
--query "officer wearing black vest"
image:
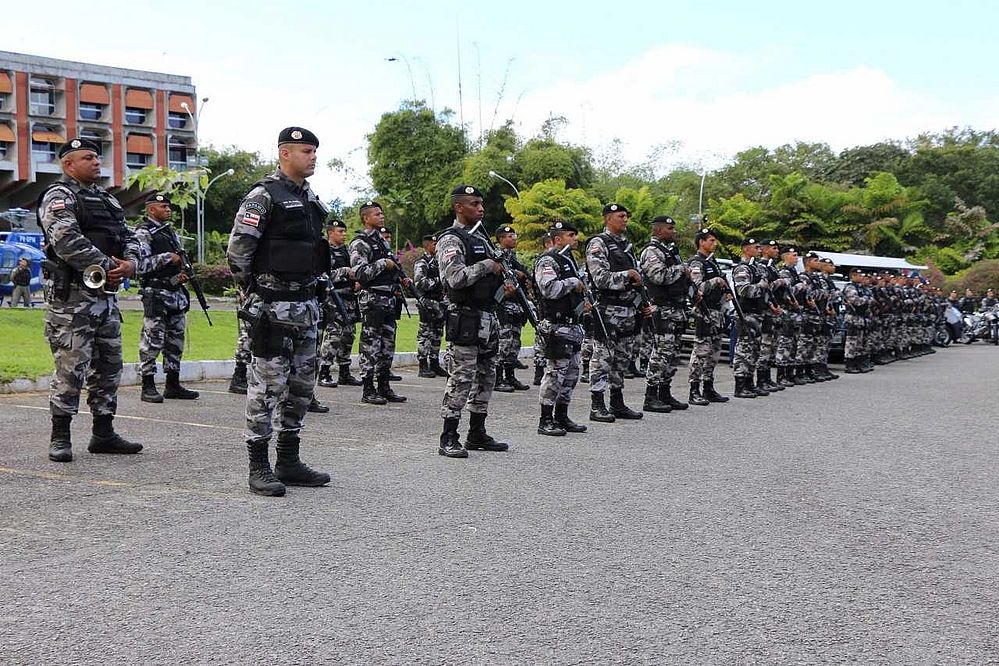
{"points": [[340, 327], [87, 243], [709, 292], [427, 278], [277, 254], [471, 279], [165, 302]]}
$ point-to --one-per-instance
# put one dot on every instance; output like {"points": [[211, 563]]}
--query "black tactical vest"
{"points": [[433, 271], [480, 294], [379, 250], [161, 242], [340, 258], [562, 310], [709, 269], [669, 295], [619, 260], [752, 305], [100, 216], [293, 247]]}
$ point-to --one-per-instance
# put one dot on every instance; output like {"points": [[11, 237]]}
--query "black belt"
{"points": [[295, 296]]}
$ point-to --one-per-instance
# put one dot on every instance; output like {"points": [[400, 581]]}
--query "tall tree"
{"points": [[547, 202]]}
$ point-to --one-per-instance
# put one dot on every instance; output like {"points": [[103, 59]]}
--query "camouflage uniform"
{"points": [[791, 320], [556, 282], [378, 302], [857, 306], [709, 319], [338, 340], [512, 318], [769, 324], [668, 284], [427, 278], [165, 302], [618, 307], [749, 283]]}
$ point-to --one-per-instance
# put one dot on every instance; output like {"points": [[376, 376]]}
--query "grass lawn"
{"points": [[24, 352]]}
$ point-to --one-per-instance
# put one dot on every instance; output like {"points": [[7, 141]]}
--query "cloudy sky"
{"points": [[708, 78]]}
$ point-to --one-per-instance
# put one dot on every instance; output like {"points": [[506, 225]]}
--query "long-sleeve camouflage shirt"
{"points": [[366, 270], [429, 285], [598, 265], [743, 274], [451, 258], [176, 300], [550, 287]]}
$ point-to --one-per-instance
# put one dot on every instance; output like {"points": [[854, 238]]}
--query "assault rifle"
{"points": [[731, 292], [588, 295], [643, 294], [188, 269], [509, 276]]}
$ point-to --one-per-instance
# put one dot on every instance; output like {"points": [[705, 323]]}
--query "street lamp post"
{"points": [[198, 194], [700, 197], [412, 82], [201, 210], [495, 175]]}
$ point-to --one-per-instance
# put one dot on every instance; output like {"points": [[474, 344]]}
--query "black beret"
{"points": [[789, 248], [560, 226], [336, 224], [367, 205], [827, 260], [297, 135], [856, 270], [771, 243], [383, 230], [79, 144], [703, 233], [506, 229], [466, 191], [614, 208], [428, 238], [812, 255], [157, 198], [663, 219], [750, 241]]}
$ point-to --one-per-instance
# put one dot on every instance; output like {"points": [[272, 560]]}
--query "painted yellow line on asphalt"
{"points": [[144, 418]]}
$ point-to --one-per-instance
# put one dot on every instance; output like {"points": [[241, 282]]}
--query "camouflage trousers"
{"points": [[768, 350], [243, 353], [280, 387], [378, 327], [610, 360], [664, 358], [788, 329], [164, 334], [509, 344], [704, 357], [539, 351], [746, 357], [338, 342], [806, 352], [854, 344], [561, 377], [85, 339], [428, 339], [472, 370], [586, 353]]}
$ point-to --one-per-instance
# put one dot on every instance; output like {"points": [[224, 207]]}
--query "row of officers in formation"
{"points": [[303, 290]]}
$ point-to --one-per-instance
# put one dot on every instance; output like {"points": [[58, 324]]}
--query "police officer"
{"points": [[376, 269], [709, 291], [85, 234], [790, 285], [750, 286], [277, 254], [433, 308], [539, 340], [857, 305], [989, 301], [668, 282], [165, 302], [832, 299], [560, 290], [772, 316], [614, 273], [471, 278], [340, 327], [511, 317]]}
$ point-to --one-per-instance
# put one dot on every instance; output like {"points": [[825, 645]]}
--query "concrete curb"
{"points": [[193, 371]]}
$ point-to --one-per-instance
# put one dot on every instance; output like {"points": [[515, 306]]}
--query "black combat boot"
{"points": [[435, 365], [621, 410], [426, 372], [347, 379], [317, 407], [653, 403], [238, 382], [640, 368], [709, 392], [172, 390], [667, 397], [385, 390], [149, 392], [290, 470], [741, 390], [630, 371], [450, 445], [763, 379], [512, 380], [584, 375], [369, 394], [477, 439], [60, 444], [865, 363], [562, 418], [812, 370], [261, 478], [879, 358], [802, 373], [547, 425], [392, 377], [325, 379], [539, 373], [797, 375], [851, 366], [829, 374], [519, 365], [598, 410], [760, 391], [695, 397], [106, 440]]}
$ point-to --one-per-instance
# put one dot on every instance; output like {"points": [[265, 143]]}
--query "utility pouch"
{"points": [[462, 327]]}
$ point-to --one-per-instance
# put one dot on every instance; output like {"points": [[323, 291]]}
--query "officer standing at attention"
{"points": [[562, 305], [539, 340], [772, 316], [614, 273], [165, 302], [789, 284], [858, 303], [84, 227], [749, 283], [709, 291], [433, 309], [511, 317], [339, 339], [277, 254], [376, 269], [471, 278], [669, 285]]}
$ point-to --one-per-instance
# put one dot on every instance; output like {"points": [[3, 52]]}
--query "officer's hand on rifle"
{"points": [[775, 309], [521, 275], [635, 277], [579, 288], [390, 265], [495, 266], [175, 259], [406, 282], [647, 310], [587, 306], [509, 289], [182, 278]]}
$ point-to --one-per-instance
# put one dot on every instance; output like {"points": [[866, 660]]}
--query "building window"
{"points": [[42, 97], [134, 116], [45, 142], [136, 160], [177, 155], [4, 97], [4, 147], [91, 111], [177, 120], [96, 136]]}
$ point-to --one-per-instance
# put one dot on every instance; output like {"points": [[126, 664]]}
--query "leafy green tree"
{"points": [[223, 199], [544, 159], [496, 155], [853, 165], [547, 202], [889, 216]]}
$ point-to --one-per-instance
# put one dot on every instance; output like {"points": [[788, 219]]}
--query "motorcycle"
{"points": [[982, 326]]}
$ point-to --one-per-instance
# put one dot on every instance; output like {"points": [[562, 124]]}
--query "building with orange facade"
{"points": [[140, 118]]}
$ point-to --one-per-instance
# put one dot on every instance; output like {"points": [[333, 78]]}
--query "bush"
{"points": [[980, 277], [215, 279]]}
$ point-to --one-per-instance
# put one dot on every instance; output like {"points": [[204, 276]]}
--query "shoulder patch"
{"points": [[255, 206], [57, 204], [251, 219]]}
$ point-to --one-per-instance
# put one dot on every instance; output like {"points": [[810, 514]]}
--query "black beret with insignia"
{"points": [[560, 226], [79, 144], [383, 230], [297, 135], [615, 208], [750, 241], [466, 191], [704, 232], [367, 205], [663, 219], [157, 198], [812, 255], [789, 248], [771, 243], [505, 230], [336, 224], [429, 238], [826, 260]]}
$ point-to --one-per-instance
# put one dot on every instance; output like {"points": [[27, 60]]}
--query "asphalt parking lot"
{"points": [[850, 521]]}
